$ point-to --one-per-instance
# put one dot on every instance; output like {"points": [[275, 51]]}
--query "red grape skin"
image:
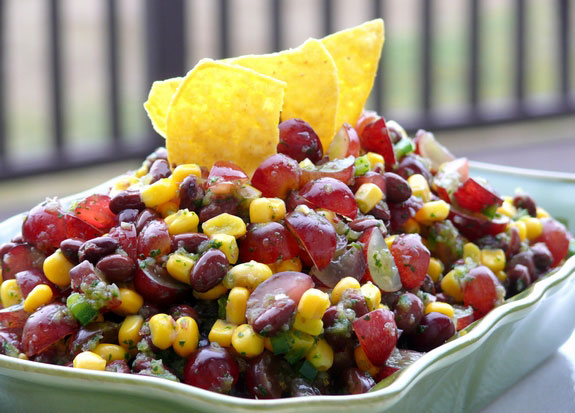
{"points": [[298, 140], [277, 175], [212, 368]]}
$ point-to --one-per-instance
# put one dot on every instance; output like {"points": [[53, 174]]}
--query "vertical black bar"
{"points": [[165, 38], [327, 14], [426, 64], [276, 22], [474, 61], [520, 56], [113, 73], [564, 11], [3, 153], [378, 83], [55, 78], [224, 26]]}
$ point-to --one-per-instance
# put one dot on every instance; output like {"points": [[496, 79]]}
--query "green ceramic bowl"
{"points": [[462, 375]]}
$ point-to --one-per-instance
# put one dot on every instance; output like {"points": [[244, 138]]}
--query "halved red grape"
{"points": [[263, 377], [370, 177], [226, 171], [298, 140], [45, 226], [95, 210], [366, 117], [28, 279], [340, 169], [45, 327], [427, 146], [408, 312], [434, 330], [476, 225], [76, 228], [212, 368], [377, 334], [277, 175], [329, 193], [351, 263], [412, 259], [476, 196], [127, 236], [154, 240], [268, 243], [381, 268], [154, 283], [375, 138], [480, 289], [345, 143], [13, 317], [556, 237], [315, 233], [20, 258]]}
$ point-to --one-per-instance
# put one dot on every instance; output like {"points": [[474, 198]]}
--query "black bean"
{"points": [[70, 248], [274, 317], [542, 257], [159, 169], [128, 199], [97, 248], [209, 271], [128, 215], [144, 217], [117, 267], [188, 241], [397, 189], [191, 193], [524, 201]]}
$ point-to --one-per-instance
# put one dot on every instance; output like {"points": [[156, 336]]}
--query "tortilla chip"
{"points": [[356, 52], [226, 112], [312, 91], [158, 102]]}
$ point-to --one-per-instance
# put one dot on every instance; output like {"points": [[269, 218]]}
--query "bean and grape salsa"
{"points": [[324, 273]]}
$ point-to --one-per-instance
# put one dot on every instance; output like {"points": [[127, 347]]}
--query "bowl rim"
{"points": [[387, 392]]}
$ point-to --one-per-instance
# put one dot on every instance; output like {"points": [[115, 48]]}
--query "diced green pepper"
{"points": [[81, 309]]}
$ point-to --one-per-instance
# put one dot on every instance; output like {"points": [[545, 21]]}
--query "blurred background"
{"points": [[494, 79]]}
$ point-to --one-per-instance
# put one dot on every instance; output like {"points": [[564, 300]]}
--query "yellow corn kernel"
{"points": [[342, 285], [141, 171], [367, 196], [541, 213], [320, 355], [248, 275], [40, 295], [221, 333], [247, 342], [129, 333], [225, 224], [383, 306], [450, 286], [375, 159], [470, 250], [184, 170], [10, 293], [90, 361], [372, 295], [419, 187], [228, 245], [521, 229], [168, 208], [159, 192], [411, 226], [493, 259], [507, 209], [439, 307], [533, 226], [313, 303], [501, 275], [432, 211], [212, 294], [312, 326], [236, 305], [363, 362], [179, 266], [268, 344], [182, 221], [293, 264], [267, 210], [111, 352], [163, 330], [246, 195], [435, 269], [306, 164], [57, 269], [123, 183], [187, 336], [131, 302], [389, 240]]}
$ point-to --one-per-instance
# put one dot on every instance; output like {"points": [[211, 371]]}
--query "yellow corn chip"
{"points": [[226, 112], [356, 52], [312, 84], [158, 102]]}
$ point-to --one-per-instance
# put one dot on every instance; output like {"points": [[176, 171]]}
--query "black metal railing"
{"points": [[165, 23]]}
